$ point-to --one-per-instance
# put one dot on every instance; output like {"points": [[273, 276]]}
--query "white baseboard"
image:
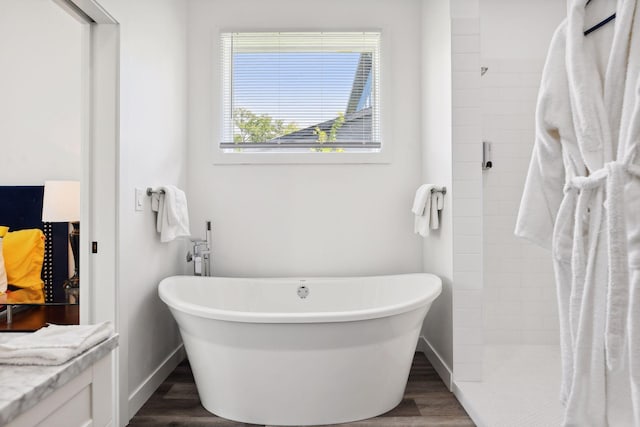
{"points": [[436, 361], [468, 407], [144, 391]]}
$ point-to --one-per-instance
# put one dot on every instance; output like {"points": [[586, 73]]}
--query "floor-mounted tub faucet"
{"points": [[201, 254]]}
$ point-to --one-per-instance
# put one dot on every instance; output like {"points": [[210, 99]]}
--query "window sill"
{"points": [[222, 158]]}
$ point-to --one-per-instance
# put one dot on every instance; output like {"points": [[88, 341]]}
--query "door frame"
{"points": [[99, 179]]}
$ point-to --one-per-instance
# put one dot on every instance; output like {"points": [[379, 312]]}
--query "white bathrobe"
{"points": [[582, 200]]}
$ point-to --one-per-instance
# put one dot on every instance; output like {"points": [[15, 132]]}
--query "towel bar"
{"points": [[151, 191], [442, 190]]}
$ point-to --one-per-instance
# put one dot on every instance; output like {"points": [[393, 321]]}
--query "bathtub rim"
{"points": [[298, 318]]}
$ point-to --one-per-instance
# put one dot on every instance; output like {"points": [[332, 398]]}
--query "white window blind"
{"points": [[300, 91]]}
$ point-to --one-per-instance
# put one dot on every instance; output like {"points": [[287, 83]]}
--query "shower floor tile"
{"points": [[427, 403], [520, 387]]}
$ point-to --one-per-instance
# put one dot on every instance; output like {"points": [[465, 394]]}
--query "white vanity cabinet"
{"points": [[77, 394]]}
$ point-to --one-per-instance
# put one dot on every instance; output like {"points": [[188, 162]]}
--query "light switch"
{"points": [[140, 195]]}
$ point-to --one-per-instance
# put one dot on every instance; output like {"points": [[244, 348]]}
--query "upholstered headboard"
{"points": [[21, 208]]}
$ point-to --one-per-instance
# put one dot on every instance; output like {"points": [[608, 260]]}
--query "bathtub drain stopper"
{"points": [[303, 291]]}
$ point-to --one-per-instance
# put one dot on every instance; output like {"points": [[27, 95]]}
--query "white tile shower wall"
{"points": [[467, 191], [519, 298], [519, 294]]}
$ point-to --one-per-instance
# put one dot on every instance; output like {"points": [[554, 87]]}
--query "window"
{"points": [[300, 92]]}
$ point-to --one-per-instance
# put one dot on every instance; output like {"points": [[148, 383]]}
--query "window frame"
{"points": [[383, 156]]}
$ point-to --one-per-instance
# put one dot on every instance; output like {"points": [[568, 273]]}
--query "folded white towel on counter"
{"points": [[53, 345], [427, 202], [173, 215]]}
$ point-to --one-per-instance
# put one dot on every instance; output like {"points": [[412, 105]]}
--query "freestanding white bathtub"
{"points": [[296, 351]]}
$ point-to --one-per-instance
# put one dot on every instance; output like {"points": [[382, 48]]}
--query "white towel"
{"points": [[426, 204], [155, 201], [53, 345], [422, 209], [422, 197], [437, 203], [173, 215]]}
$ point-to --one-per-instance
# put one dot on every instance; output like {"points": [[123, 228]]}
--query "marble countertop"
{"points": [[22, 387]]}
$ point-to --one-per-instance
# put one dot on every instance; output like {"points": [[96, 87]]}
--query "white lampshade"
{"points": [[61, 201]]}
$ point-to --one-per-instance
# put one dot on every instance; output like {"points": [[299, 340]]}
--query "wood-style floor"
{"points": [[426, 403]]}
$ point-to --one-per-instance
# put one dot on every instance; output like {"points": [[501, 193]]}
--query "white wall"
{"points": [[152, 151], [436, 168], [519, 292], [40, 102], [308, 220]]}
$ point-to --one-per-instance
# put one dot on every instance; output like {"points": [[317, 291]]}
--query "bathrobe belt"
{"points": [[611, 178]]}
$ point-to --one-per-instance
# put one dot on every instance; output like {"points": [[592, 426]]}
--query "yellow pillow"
{"points": [[3, 272], [23, 252], [25, 296]]}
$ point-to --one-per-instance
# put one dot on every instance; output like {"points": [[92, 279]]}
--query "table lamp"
{"points": [[61, 203]]}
